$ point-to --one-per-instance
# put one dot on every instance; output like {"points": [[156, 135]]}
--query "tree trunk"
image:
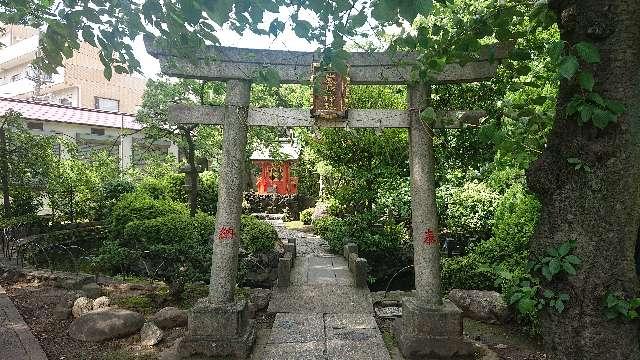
{"points": [[599, 209], [192, 174], [4, 168]]}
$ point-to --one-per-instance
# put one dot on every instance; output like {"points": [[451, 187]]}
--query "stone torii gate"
{"points": [[218, 324]]}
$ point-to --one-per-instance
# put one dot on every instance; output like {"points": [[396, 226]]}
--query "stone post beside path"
{"points": [[429, 327]]}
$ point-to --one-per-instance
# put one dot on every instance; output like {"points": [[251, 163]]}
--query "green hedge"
{"points": [[139, 206], [257, 235], [177, 247]]}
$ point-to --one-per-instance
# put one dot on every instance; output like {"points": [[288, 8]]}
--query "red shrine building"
{"points": [[275, 176]]}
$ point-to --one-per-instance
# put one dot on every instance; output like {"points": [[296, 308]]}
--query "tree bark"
{"points": [[599, 209], [193, 172], [4, 167]]}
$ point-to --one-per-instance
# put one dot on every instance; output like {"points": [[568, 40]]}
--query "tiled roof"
{"points": [[69, 114], [288, 150]]}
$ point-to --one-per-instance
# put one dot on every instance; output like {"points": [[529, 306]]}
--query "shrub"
{"points": [[137, 206], [332, 230], [257, 235], [394, 200], [515, 220], [306, 215], [467, 211], [111, 192], [175, 248], [208, 192]]}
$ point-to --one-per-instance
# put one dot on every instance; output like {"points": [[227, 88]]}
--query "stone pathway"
{"points": [[16, 340], [321, 315]]}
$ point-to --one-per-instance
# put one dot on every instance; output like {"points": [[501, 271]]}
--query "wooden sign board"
{"points": [[329, 95]]}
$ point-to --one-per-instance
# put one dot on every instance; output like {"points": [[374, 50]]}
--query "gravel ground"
{"points": [[306, 243]]}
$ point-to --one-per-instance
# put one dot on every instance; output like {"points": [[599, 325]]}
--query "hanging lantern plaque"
{"points": [[330, 95]]}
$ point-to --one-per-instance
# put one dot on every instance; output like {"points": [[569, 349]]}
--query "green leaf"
{"points": [[88, 36], [568, 268], [563, 296], [573, 259], [602, 118], [554, 267], [568, 66], [546, 273], [559, 305], [358, 20], [586, 113], [526, 306], [276, 27], [588, 52], [107, 72], [564, 249], [515, 298], [573, 105], [586, 80], [428, 114], [548, 294], [615, 107]]}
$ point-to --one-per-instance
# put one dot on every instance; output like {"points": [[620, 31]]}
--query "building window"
{"points": [[65, 101], [32, 125], [97, 131], [107, 104]]}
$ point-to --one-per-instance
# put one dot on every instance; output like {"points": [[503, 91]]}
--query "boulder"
{"points": [[485, 306], [102, 302], [81, 306], [106, 324], [92, 290], [260, 298], [170, 317], [150, 334]]}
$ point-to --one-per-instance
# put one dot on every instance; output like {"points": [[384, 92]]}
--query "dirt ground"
{"points": [[508, 342], [37, 300]]}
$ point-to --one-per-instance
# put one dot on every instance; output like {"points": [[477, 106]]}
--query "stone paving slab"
{"points": [[352, 327], [295, 351], [356, 350], [297, 328], [16, 340], [321, 299]]}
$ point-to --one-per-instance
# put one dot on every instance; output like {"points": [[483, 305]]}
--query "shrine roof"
{"points": [[288, 150]]}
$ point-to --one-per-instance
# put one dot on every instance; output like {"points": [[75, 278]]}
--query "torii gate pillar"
{"points": [[429, 327], [219, 326]]}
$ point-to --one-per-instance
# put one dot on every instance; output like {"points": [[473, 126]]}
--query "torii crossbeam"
{"points": [[218, 325]]}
